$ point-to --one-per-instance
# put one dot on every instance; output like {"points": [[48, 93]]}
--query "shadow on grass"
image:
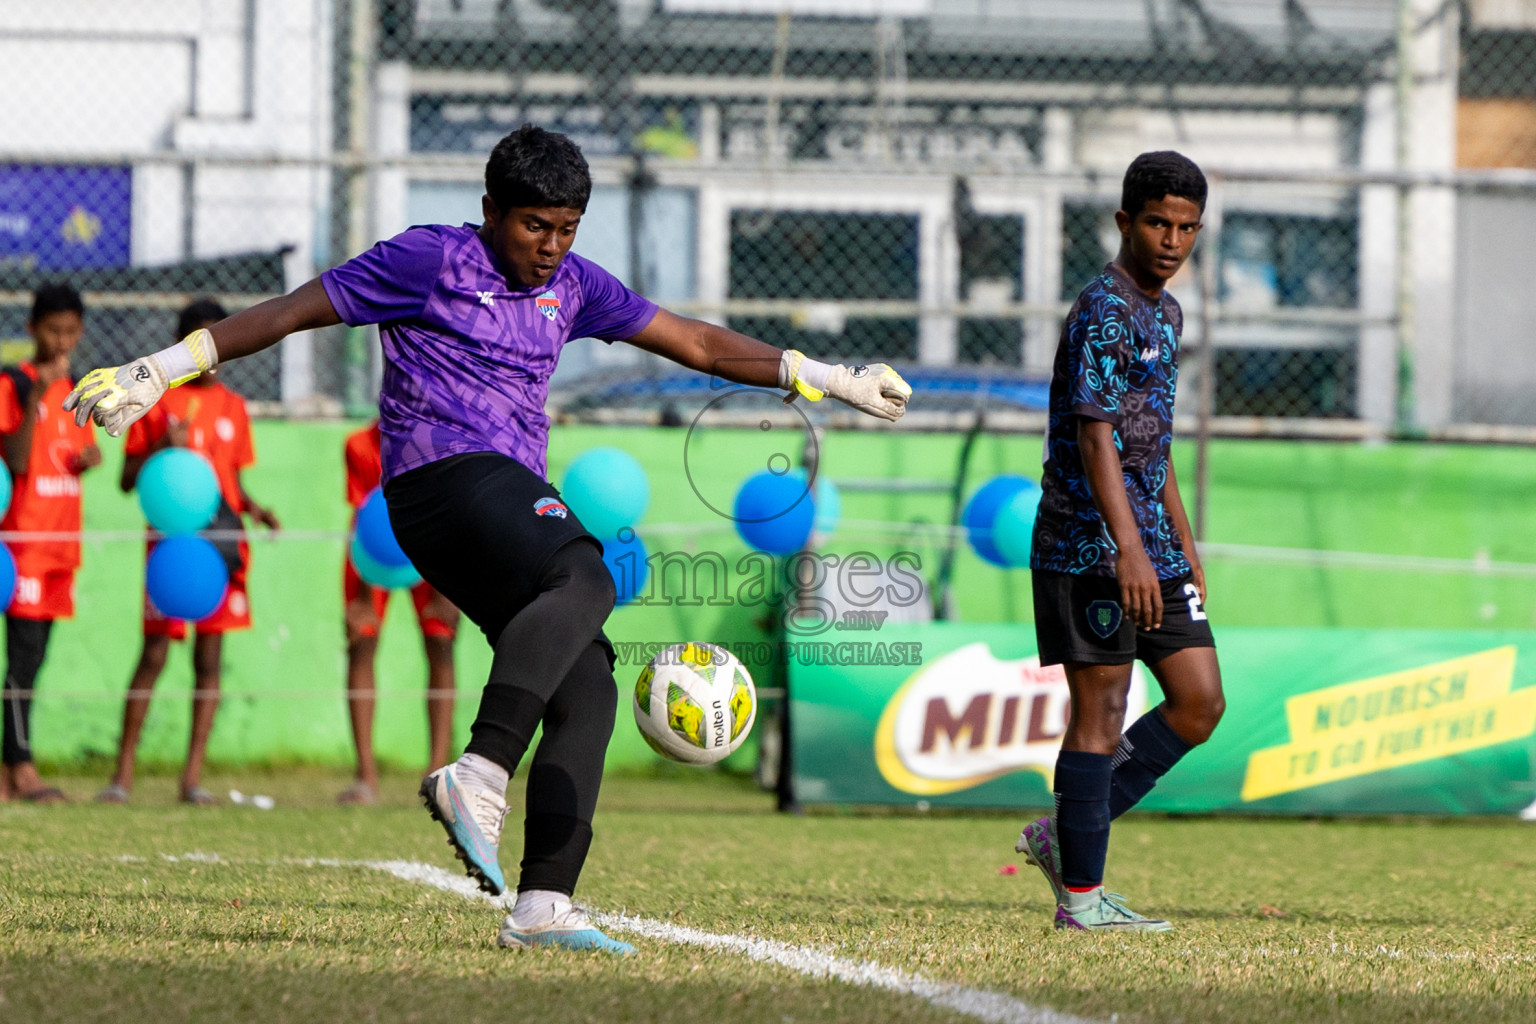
{"points": [[461, 986]]}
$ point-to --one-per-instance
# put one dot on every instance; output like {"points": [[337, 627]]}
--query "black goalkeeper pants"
{"points": [[26, 642], [496, 540]]}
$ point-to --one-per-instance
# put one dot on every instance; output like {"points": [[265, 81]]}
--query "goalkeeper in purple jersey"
{"points": [[473, 320]]}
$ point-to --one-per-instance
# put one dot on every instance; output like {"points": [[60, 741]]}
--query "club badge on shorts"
{"points": [[550, 507], [1104, 618]]}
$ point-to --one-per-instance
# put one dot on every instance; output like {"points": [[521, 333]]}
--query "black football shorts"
{"points": [[480, 527], [1078, 618]]}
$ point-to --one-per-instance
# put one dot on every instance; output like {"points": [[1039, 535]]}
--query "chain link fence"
{"points": [[925, 181]]}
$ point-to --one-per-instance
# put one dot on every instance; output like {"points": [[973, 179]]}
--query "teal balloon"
{"points": [[827, 498], [178, 491], [607, 489], [5, 489], [1014, 527], [829, 505], [376, 574]]}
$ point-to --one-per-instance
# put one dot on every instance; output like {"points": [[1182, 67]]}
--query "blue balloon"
{"points": [[625, 556], [607, 489], [376, 574], [178, 491], [7, 573], [982, 509], [5, 488], [1013, 529], [775, 512], [186, 578], [377, 535]]}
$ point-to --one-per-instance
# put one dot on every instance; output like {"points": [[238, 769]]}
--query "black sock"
{"points": [[1082, 816], [1147, 751]]}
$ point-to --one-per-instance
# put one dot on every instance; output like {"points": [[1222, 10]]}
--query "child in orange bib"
{"points": [[435, 614], [46, 453], [210, 419]]}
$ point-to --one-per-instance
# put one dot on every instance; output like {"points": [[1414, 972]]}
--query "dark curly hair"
{"points": [[198, 313], [534, 167], [56, 297], [1152, 176]]}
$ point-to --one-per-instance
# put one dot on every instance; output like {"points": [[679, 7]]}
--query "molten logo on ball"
{"points": [[673, 692]]}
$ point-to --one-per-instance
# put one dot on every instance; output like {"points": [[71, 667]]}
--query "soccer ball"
{"points": [[694, 703]]}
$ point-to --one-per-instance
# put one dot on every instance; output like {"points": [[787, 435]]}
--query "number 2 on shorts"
{"points": [[1195, 612]]}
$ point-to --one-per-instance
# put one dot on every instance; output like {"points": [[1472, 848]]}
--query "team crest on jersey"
{"points": [[549, 305], [1104, 618], [550, 507]]}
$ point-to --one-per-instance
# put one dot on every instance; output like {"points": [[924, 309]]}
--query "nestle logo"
{"points": [[971, 716]]}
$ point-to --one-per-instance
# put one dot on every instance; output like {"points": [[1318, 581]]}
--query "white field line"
{"points": [[413, 871], [980, 1004], [991, 1007]]}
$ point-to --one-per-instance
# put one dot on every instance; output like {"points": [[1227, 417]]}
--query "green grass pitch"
{"points": [[103, 917]]}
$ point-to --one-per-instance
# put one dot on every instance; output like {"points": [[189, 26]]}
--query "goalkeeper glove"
{"points": [[875, 389], [116, 396]]}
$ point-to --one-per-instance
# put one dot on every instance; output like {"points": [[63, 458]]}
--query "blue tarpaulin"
{"points": [[64, 217]]}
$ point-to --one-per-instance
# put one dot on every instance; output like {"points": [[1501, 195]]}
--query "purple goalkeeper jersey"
{"points": [[468, 354]]}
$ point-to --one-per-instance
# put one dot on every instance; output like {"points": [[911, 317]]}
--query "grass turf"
{"points": [[1276, 921]]}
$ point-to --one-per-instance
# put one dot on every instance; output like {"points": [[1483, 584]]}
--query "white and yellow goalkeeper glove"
{"points": [[875, 389], [116, 396]]}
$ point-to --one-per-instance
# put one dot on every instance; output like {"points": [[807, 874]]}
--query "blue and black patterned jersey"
{"points": [[1117, 361]]}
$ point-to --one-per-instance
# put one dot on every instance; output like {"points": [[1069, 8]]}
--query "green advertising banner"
{"points": [[1318, 721]]}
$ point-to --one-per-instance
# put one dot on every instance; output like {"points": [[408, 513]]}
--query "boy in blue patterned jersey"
{"points": [[1115, 571]]}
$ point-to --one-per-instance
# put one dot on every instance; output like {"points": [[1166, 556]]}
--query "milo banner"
{"points": [[1340, 721]]}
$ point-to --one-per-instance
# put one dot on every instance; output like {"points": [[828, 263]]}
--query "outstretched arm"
{"points": [[263, 325], [709, 348], [115, 396], [875, 389]]}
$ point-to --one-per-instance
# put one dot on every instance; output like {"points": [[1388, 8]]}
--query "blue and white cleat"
{"points": [[1038, 845], [568, 928], [473, 818], [1100, 911]]}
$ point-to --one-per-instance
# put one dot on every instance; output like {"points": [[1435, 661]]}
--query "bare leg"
{"points": [[440, 681], [30, 786], [1192, 705], [1193, 702], [361, 685], [207, 651], [1098, 706], [362, 624], [136, 707]]}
